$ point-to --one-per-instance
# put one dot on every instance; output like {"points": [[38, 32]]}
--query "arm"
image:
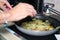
{"points": [[19, 12], [2, 18]]}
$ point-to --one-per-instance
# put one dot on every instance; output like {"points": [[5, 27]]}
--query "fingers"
{"points": [[2, 7], [8, 4], [29, 9], [32, 11], [5, 5]]}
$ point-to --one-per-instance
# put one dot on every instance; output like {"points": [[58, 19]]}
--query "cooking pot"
{"points": [[52, 20]]}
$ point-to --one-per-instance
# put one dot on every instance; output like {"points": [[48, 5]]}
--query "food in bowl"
{"points": [[37, 25]]}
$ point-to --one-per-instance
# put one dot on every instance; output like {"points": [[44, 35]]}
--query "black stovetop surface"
{"points": [[29, 37]]}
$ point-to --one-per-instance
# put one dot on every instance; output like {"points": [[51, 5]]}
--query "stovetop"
{"points": [[30, 37]]}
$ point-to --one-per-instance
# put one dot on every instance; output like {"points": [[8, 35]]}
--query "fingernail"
{"points": [[8, 7]]}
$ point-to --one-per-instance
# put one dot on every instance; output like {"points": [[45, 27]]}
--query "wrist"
{"points": [[4, 17], [7, 16]]}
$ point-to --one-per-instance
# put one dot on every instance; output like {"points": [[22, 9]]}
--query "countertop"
{"points": [[7, 35]]}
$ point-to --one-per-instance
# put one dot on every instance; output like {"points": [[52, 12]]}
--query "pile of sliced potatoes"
{"points": [[37, 25]]}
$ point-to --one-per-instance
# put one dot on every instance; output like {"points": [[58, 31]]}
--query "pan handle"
{"points": [[58, 27], [49, 8]]}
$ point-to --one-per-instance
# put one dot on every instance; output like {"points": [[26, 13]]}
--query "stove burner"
{"points": [[29, 37]]}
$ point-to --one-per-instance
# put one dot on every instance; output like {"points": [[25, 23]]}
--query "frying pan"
{"points": [[53, 22]]}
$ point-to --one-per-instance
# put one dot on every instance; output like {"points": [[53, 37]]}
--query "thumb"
{"points": [[8, 5]]}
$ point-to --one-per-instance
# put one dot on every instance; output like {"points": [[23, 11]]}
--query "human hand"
{"points": [[4, 4], [21, 11]]}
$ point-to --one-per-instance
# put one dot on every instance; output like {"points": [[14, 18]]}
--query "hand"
{"points": [[4, 4], [21, 11]]}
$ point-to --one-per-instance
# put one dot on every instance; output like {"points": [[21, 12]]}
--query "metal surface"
{"points": [[53, 21]]}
